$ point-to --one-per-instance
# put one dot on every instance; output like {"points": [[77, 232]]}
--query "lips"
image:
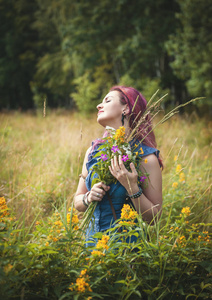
{"points": [[101, 111]]}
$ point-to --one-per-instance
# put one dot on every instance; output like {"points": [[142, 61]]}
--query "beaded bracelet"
{"points": [[136, 195]]}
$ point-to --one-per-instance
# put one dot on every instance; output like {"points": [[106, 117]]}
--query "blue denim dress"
{"points": [[103, 217]]}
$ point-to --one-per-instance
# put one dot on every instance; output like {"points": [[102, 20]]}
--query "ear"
{"points": [[126, 110]]}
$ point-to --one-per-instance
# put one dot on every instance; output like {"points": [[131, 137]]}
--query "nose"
{"points": [[99, 106]]}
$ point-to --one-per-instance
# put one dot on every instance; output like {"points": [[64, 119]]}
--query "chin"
{"points": [[102, 122]]}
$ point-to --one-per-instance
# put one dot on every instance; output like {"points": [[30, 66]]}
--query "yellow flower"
{"points": [[58, 223], [7, 268], [175, 185], [83, 272], [97, 252], [186, 211], [81, 284], [127, 213], [47, 244], [136, 153], [178, 168], [182, 177], [175, 157], [120, 133], [145, 161], [75, 219], [3, 208], [103, 242], [142, 151]]}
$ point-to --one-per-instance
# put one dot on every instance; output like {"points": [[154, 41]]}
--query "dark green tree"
{"points": [[191, 48], [17, 56]]}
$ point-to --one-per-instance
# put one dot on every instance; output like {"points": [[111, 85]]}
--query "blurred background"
{"points": [[70, 52]]}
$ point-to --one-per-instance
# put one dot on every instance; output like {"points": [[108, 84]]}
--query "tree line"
{"points": [[70, 52]]}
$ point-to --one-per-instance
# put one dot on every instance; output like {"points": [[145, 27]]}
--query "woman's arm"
{"points": [[149, 204], [81, 189], [96, 193]]}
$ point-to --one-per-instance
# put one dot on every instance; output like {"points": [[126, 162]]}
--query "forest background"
{"points": [[71, 52]]}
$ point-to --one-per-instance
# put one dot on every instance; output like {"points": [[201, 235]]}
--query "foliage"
{"points": [[52, 262], [50, 47], [17, 53], [191, 47], [91, 88]]}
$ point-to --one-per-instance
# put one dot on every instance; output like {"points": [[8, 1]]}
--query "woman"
{"points": [[122, 106]]}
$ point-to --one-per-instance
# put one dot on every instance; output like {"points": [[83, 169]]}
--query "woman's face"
{"points": [[110, 110]]}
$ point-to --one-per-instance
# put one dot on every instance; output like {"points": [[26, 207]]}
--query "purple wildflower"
{"points": [[104, 157], [125, 157], [142, 178], [115, 149]]}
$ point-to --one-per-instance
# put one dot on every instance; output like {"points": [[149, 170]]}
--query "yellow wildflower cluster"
{"points": [[97, 252], [128, 215], [120, 133], [102, 244], [181, 176], [182, 241], [81, 283], [186, 211], [57, 229], [3, 208], [205, 237], [75, 219], [178, 168], [175, 185]]}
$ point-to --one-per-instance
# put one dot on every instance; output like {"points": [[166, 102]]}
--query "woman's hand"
{"points": [[126, 178], [97, 192]]}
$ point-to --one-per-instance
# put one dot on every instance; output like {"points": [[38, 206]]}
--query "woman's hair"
{"points": [[137, 110]]}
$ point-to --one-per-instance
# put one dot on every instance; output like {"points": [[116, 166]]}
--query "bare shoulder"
{"points": [[88, 151], [86, 154], [84, 168], [150, 160], [150, 164]]}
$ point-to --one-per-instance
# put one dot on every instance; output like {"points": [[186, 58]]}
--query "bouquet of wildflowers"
{"points": [[114, 145]]}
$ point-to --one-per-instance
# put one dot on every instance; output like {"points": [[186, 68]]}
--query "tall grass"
{"points": [[41, 158], [42, 253]]}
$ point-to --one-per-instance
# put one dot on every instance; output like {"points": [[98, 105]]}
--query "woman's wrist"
{"points": [[85, 199], [135, 193], [132, 189]]}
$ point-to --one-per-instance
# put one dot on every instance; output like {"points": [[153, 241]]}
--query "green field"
{"points": [[42, 252]]}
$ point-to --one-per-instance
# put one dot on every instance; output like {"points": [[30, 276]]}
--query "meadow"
{"points": [[43, 255]]}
